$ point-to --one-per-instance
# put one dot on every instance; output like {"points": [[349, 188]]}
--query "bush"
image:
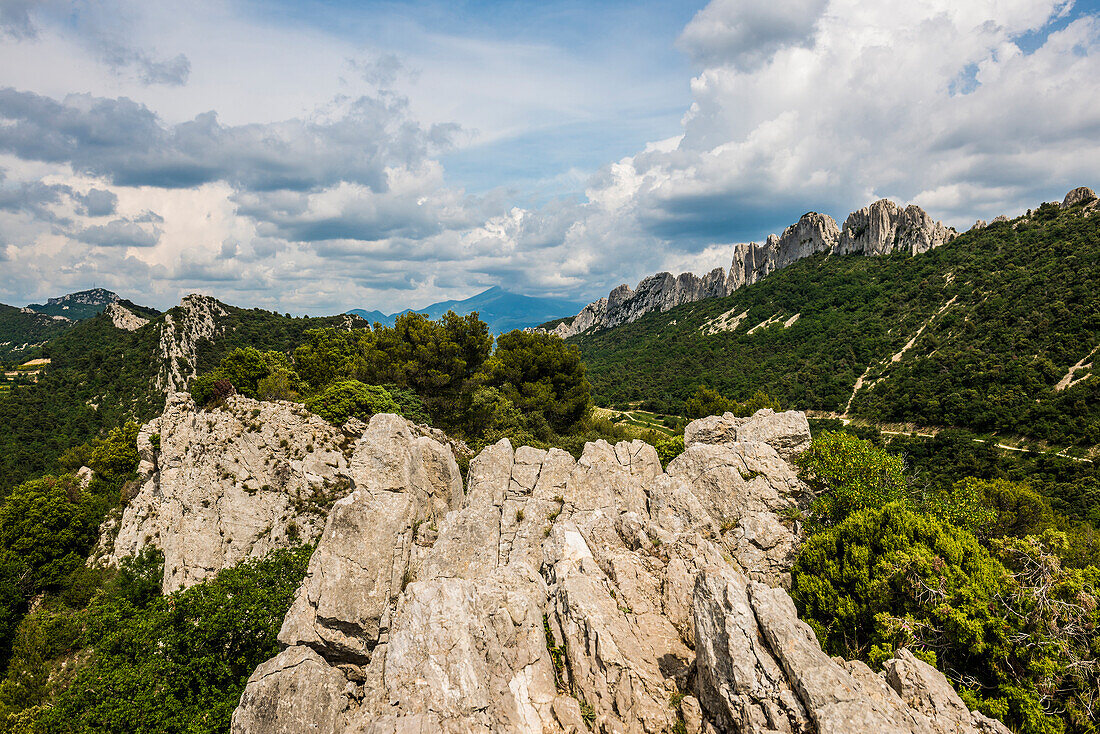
{"points": [[848, 475], [890, 577], [351, 398], [179, 663]]}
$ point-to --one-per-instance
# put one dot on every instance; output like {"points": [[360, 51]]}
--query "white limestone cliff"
{"points": [[560, 595], [879, 229]]}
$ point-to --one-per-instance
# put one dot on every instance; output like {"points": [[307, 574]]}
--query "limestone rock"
{"points": [[884, 227], [556, 595], [227, 484], [124, 318], [293, 692], [787, 432], [181, 332], [879, 229], [1079, 195]]}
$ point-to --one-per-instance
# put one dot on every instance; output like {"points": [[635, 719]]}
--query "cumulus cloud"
{"points": [[968, 109], [97, 203], [119, 233], [745, 33], [124, 142], [864, 106], [172, 72]]}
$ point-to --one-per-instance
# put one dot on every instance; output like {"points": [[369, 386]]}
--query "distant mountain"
{"points": [[502, 310], [883, 228], [24, 331], [995, 331], [77, 306]]}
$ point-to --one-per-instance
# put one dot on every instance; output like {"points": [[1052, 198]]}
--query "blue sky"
{"points": [[317, 156]]}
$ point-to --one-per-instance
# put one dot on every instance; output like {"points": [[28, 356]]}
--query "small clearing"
{"points": [[1071, 378], [725, 322]]}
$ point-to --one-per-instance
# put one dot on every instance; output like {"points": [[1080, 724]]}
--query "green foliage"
{"points": [[542, 377], [176, 663], [669, 448], [252, 373], [964, 504], [707, 402], [848, 475], [351, 398], [890, 577]]}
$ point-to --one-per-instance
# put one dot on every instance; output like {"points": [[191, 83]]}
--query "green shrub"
{"points": [[891, 577], [848, 475], [350, 398], [177, 663]]}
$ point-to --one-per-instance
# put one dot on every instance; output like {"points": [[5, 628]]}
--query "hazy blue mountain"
{"points": [[502, 310]]}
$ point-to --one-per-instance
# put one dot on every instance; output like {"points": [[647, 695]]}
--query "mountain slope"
{"points": [[993, 331], [879, 229], [502, 310], [100, 374], [77, 306], [22, 332]]}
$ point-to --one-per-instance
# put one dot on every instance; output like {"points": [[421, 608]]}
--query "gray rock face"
{"points": [[884, 227], [227, 484], [556, 595], [180, 336], [124, 318], [1080, 195], [878, 229], [787, 432]]}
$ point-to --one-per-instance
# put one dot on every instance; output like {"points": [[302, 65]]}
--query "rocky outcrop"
{"points": [[1081, 195], [884, 227], [181, 332], [878, 229], [124, 318], [561, 595], [223, 485]]}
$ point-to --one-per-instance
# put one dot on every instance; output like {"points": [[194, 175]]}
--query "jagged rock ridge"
{"points": [[879, 229], [124, 318], [561, 595], [180, 338]]}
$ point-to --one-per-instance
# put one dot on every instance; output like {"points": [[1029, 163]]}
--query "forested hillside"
{"points": [[22, 334], [982, 333], [100, 376]]}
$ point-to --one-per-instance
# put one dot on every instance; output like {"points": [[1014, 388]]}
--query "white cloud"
{"points": [[332, 195]]}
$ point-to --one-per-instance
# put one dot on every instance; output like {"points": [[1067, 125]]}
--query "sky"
{"points": [[312, 157]]}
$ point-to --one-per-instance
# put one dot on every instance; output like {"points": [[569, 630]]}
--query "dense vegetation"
{"points": [[450, 373], [22, 333], [978, 576], [100, 376], [1025, 309]]}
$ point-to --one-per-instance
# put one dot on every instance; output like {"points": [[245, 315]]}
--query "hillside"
{"points": [[502, 310], [101, 375], [77, 306], [22, 333], [993, 331]]}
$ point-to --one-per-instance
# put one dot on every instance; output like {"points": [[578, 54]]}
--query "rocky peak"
{"points": [[1079, 195], [124, 318], [884, 227], [561, 595], [182, 330], [879, 229]]}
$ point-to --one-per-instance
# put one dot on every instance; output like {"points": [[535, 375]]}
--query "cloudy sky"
{"points": [[317, 156]]}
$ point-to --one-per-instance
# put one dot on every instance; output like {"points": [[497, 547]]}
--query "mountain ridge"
{"points": [[880, 228], [501, 309], [996, 331]]}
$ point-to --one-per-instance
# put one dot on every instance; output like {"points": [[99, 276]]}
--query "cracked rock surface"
{"points": [[552, 595]]}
